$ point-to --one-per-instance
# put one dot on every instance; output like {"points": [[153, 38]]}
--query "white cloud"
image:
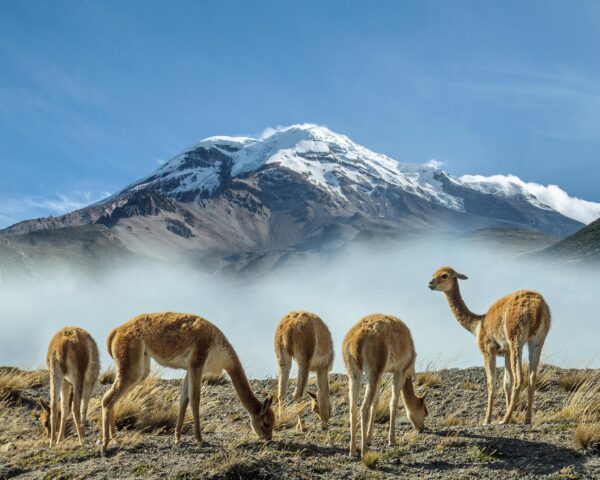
{"points": [[551, 195], [435, 163], [13, 210]]}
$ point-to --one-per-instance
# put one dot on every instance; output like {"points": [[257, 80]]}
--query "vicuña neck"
{"points": [[242, 387], [465, 317], [408, 394]]}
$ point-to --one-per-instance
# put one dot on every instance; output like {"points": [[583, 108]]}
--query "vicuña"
{"points": [[73, 363], [520, 318], [303, 336], [185, 341], [378, 344]]}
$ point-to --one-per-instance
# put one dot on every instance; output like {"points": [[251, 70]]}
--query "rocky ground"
{"points": [[561, 444]]}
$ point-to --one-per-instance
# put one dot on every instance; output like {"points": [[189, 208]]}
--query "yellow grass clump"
{"points": [[371, 459], [150, 406], [14, 381]]}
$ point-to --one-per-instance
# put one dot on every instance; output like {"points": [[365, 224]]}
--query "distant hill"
{"points": [[513, 240], [581, 248]]}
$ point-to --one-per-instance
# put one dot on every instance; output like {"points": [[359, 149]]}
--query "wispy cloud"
{"points": [[550, 195], [16, 209]]}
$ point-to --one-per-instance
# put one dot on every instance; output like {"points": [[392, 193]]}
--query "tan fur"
{"points": [[304, 337], [520, 318], [178, 340], [73, 362], [379, 344]]}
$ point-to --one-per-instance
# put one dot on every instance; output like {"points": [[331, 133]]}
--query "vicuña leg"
{"points": [[535, 351], [56, 381], [517, 368], [372, 414], [490, 372], [76, 409], [354, 381], [130, 371], [284, 367], [65, 409], [372, 382], [194, 388], [508, 380], [397, 382], [324, 398], [303, 371], [184, 400]]}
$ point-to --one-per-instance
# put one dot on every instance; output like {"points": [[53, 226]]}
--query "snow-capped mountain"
{"points": [[300, 188]]}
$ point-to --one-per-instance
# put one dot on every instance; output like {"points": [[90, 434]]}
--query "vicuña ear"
{"points": [[312, 395], [461, 276], [266, 404]]}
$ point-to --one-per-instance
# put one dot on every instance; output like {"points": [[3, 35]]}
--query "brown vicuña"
{"points": [[378, 344], [185, 341], [303, 336], [74, 364], [520, 318]]}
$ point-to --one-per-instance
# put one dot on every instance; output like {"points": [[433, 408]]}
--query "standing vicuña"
{"points": [[375, 345], [516, 319], [304, 337], [73, 363], [178, 340]]}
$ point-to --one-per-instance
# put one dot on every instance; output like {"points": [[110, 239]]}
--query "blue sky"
{"points": [[93, 95]]}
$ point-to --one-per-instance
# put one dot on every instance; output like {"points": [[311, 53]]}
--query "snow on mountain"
{"points": [[334, 163], [326, 159], [542, 196]]}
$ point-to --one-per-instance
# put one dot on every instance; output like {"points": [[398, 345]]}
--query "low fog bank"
{"points": [[359, 282]]}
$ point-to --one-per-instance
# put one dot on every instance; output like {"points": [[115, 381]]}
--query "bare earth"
{"points": [[454, 444]]}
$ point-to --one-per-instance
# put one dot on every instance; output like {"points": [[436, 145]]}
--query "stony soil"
{"points": [[454, 444]]}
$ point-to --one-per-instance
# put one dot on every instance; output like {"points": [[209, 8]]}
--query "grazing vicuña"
{"points": [[378, 344], [73, 363], [178, 340], [304, 337]]}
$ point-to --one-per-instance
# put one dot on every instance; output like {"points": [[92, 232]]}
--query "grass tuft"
{"points": [[571, 381], [587, 435], [371, 459], [13, 382], [454, 420], [107, 377], [428, 379], [148, 407]]}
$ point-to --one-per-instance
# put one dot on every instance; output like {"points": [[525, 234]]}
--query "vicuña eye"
{"points": [[445, 276]]}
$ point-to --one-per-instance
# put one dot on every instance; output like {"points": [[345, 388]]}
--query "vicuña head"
{"points": [[444, 279], [315, 401]]}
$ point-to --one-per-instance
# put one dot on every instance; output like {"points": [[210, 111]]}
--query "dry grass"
{"points": [[544, 378], [583, 403], [107, 377], [587, 435], [454, 420], [371, 459], [289, 415], [571, 381], [428, 379], [149, 407], [215, 380], [469, 385], [13, 382]]}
